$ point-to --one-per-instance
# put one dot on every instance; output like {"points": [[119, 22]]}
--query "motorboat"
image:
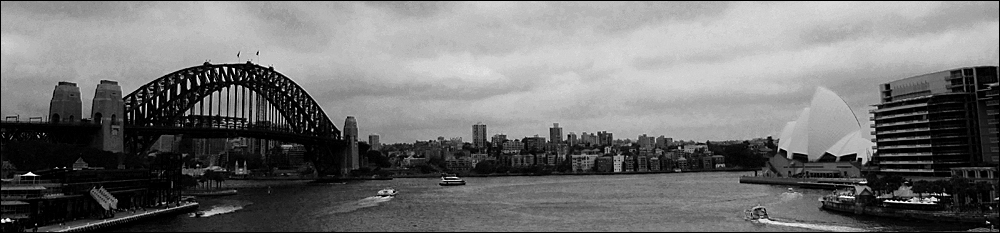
{"points": [[450, 180], [756, 213], [387, 192], [198, 214]]}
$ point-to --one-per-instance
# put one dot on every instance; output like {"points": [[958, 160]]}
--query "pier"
{"points": [[121, 218]]}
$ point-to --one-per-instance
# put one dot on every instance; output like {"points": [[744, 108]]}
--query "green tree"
{"points": [[187, 181], [378, 159], [486, 167]]}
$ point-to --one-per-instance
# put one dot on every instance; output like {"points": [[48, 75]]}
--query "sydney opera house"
{"points": [[824, 141]]}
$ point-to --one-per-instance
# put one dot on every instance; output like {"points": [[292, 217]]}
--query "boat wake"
{"points": [[363, 203], [216, 210], [811, 226]]}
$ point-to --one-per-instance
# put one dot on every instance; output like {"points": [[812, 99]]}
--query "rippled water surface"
{"points": [[651, 202]]}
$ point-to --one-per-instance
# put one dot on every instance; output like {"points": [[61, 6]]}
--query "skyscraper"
{"points": [[604, 138], [572, 139], [555, 133], [928, 124], [352, 160], [374, 141], [498, 140], [479, 135]]}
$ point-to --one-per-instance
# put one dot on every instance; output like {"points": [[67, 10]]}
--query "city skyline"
{"points": [[415, 71]]}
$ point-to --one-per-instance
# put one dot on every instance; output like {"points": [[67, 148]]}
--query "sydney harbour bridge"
{"points": [[242, 100]]}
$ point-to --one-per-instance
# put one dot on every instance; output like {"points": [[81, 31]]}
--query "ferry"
{"points": [[450, 180], [387, 192]]}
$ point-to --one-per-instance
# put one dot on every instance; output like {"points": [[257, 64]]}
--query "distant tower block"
{"points": [[65, 106], [108, 110], [352, 160]]}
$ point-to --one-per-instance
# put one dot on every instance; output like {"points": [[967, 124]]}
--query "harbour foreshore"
{"points": [[120, 218], [820, 183], [936, 216]]}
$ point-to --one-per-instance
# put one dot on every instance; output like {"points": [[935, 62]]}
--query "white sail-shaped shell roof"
{"points": [[827, 126], [852, 144], [786, 135]]}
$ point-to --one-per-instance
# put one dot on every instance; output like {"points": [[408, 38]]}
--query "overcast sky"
{"points": [[418, 70]]}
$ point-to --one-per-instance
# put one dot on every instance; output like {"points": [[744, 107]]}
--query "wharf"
{"points": [[924, 215], [816, 183], [121, 218]]}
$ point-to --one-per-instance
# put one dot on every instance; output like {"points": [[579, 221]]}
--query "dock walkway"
{"points": [[120, 218]]}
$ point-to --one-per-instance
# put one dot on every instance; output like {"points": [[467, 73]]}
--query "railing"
{"points": [[906, 162], [903, 138], [901, 123], [905, 146], [899, 107], [905, 154], [886, 117], [902, 131]]}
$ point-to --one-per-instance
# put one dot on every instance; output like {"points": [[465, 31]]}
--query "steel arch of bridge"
{"points": [[164, 101]]}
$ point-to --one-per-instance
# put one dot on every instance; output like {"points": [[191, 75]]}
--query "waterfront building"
{"points": [[476, 158], [654, 163], [60, 195], [479, 135], [413, 162], [682, 163], [666, 164], [463, 164], [618, 162], [979, 174], [629, 164], [605, 164], [583, 163], [373, 140], [641, 163], [555, 134], [719, 161], [928, 124], [706, 162], [825, 140]]}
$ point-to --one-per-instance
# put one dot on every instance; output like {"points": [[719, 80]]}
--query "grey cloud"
{"points": [[80, 10], [414, 8]]}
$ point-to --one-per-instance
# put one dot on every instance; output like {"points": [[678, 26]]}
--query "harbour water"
{"points": [[649, 202]]}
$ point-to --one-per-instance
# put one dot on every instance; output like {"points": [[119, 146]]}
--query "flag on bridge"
{"points": [[258, 52], [238, 54]]}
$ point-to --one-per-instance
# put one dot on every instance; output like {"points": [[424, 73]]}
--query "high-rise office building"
{"points": [[926, 125], [534, 143], [605, 139], [373, 140], [555, 133], [479, 135], [646, 142], [572, 139], [498, 140], [352, 160]]}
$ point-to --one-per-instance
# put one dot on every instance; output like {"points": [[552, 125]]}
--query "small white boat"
{"points": [[387, 192], [755, 213], [451, 180]]}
